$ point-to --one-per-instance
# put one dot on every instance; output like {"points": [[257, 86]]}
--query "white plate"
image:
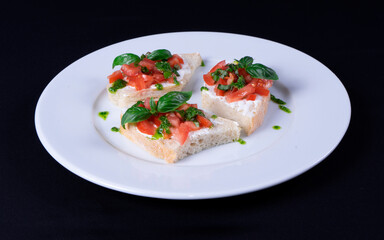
{"points": [[69, 128]]}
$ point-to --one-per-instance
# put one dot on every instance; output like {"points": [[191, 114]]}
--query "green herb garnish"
{"points": [[276, 100], [167, 103], [191, 113], [203, 88], [259, 70], [165, 68], [202, 63], [219, 73], [285, 109], [159, 86], [160, 54], [213, 116], [276, 127], [116, 85], [241, 141], [104, 115], [172, 100], [126, 58], [164, 126], [177, 83], [115, 129]]}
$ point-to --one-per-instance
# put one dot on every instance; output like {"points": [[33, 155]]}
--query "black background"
{"points": [[341, 198]]}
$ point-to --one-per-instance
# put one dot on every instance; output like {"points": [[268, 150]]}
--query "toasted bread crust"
{"points": [[127, 97]]}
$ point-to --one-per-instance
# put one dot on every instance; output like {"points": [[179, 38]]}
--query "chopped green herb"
{"points": [[164, 67], [219, 73], [177, 83], [241, 141], [115, 129], [164, 126], [276, 127], [224, 87], [214, 116], [276, 100], [203, 88], [202, 63], [118, 84], [285, 109], [144, 69], [240, 83], [103, 115], [191, 113], [159, 86]]}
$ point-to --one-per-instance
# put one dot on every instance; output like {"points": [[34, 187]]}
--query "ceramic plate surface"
{"points": [[70, 129]]}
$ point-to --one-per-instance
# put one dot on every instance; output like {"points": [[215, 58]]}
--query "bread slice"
{"points": [[223, 131], [249, 114], [128, 96]]}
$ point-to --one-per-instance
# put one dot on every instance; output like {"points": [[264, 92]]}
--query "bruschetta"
{"points": [[239, 91], [172, 129], [151, 75]]}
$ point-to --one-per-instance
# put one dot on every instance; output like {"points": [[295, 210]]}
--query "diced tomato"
{"points": [[261, 91], [156, 120], [181, 133], [217, 90], [149, 64], [115, 76], [240, 94], [185, 106], [148, 80], [158, 77], [146, 127], [191, 126], [139, 82], [193, 105], [246, 75], [220, 65], [175, 59], [251, 97], [146, 103], [130, 70], [208, 79], [173, 119], [204, 122], [166, 135]]}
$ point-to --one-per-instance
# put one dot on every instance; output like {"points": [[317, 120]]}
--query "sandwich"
{"points": [[151, 75], [172, 129], [239, 91]]}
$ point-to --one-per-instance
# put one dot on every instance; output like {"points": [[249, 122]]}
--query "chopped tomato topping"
{"points": [[204, 122], [139, 82], [173, 119], [130, 70], [146, 127], [149, 64], [115, 76], [146, 103], [175, 59], [208, 77], [251, 97], [217, 90]]}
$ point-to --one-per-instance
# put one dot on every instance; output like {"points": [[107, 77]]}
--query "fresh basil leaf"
{"points": [[126, 58], [160, 54], [224, 87], [134, 115], [153, 106], [138, 103], [204, 88], [245, 62], [116, 85], [172, 100], [258, 70]]}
